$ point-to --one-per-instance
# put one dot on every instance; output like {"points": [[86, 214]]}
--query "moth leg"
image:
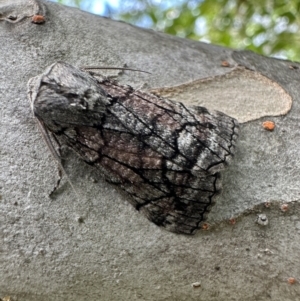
{"points": [[60, 175], [59, 169]]}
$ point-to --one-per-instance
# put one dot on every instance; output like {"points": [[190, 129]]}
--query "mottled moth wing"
{"points": [[165, 155]]}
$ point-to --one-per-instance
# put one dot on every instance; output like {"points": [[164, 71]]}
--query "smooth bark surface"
{"points": [[94, 245]]}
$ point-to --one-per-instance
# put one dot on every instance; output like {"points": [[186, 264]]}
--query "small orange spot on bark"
{"points": [[269, 125], [38, 19], [232, 221], [205, 226], [284, 207], [291, 280], [225, 64]]}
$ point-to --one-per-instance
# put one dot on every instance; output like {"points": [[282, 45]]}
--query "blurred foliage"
{"points": [[70, 2], [269, 27]]}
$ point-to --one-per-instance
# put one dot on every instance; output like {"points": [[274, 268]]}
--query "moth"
{"points": [[165, 155]]}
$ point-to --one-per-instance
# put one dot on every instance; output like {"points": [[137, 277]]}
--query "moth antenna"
{"points": [[112, 68], [55, 155]]}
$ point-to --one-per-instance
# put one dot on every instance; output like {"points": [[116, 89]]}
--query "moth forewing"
{"points": [[165, 155]]}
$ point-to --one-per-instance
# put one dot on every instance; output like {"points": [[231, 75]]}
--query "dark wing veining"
{"points": [[165, 155]]}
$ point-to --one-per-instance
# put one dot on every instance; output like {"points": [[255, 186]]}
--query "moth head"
{"points": [[64, 95]]}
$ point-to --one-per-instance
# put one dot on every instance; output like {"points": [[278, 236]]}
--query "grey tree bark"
{"points": [[95, 246]]}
